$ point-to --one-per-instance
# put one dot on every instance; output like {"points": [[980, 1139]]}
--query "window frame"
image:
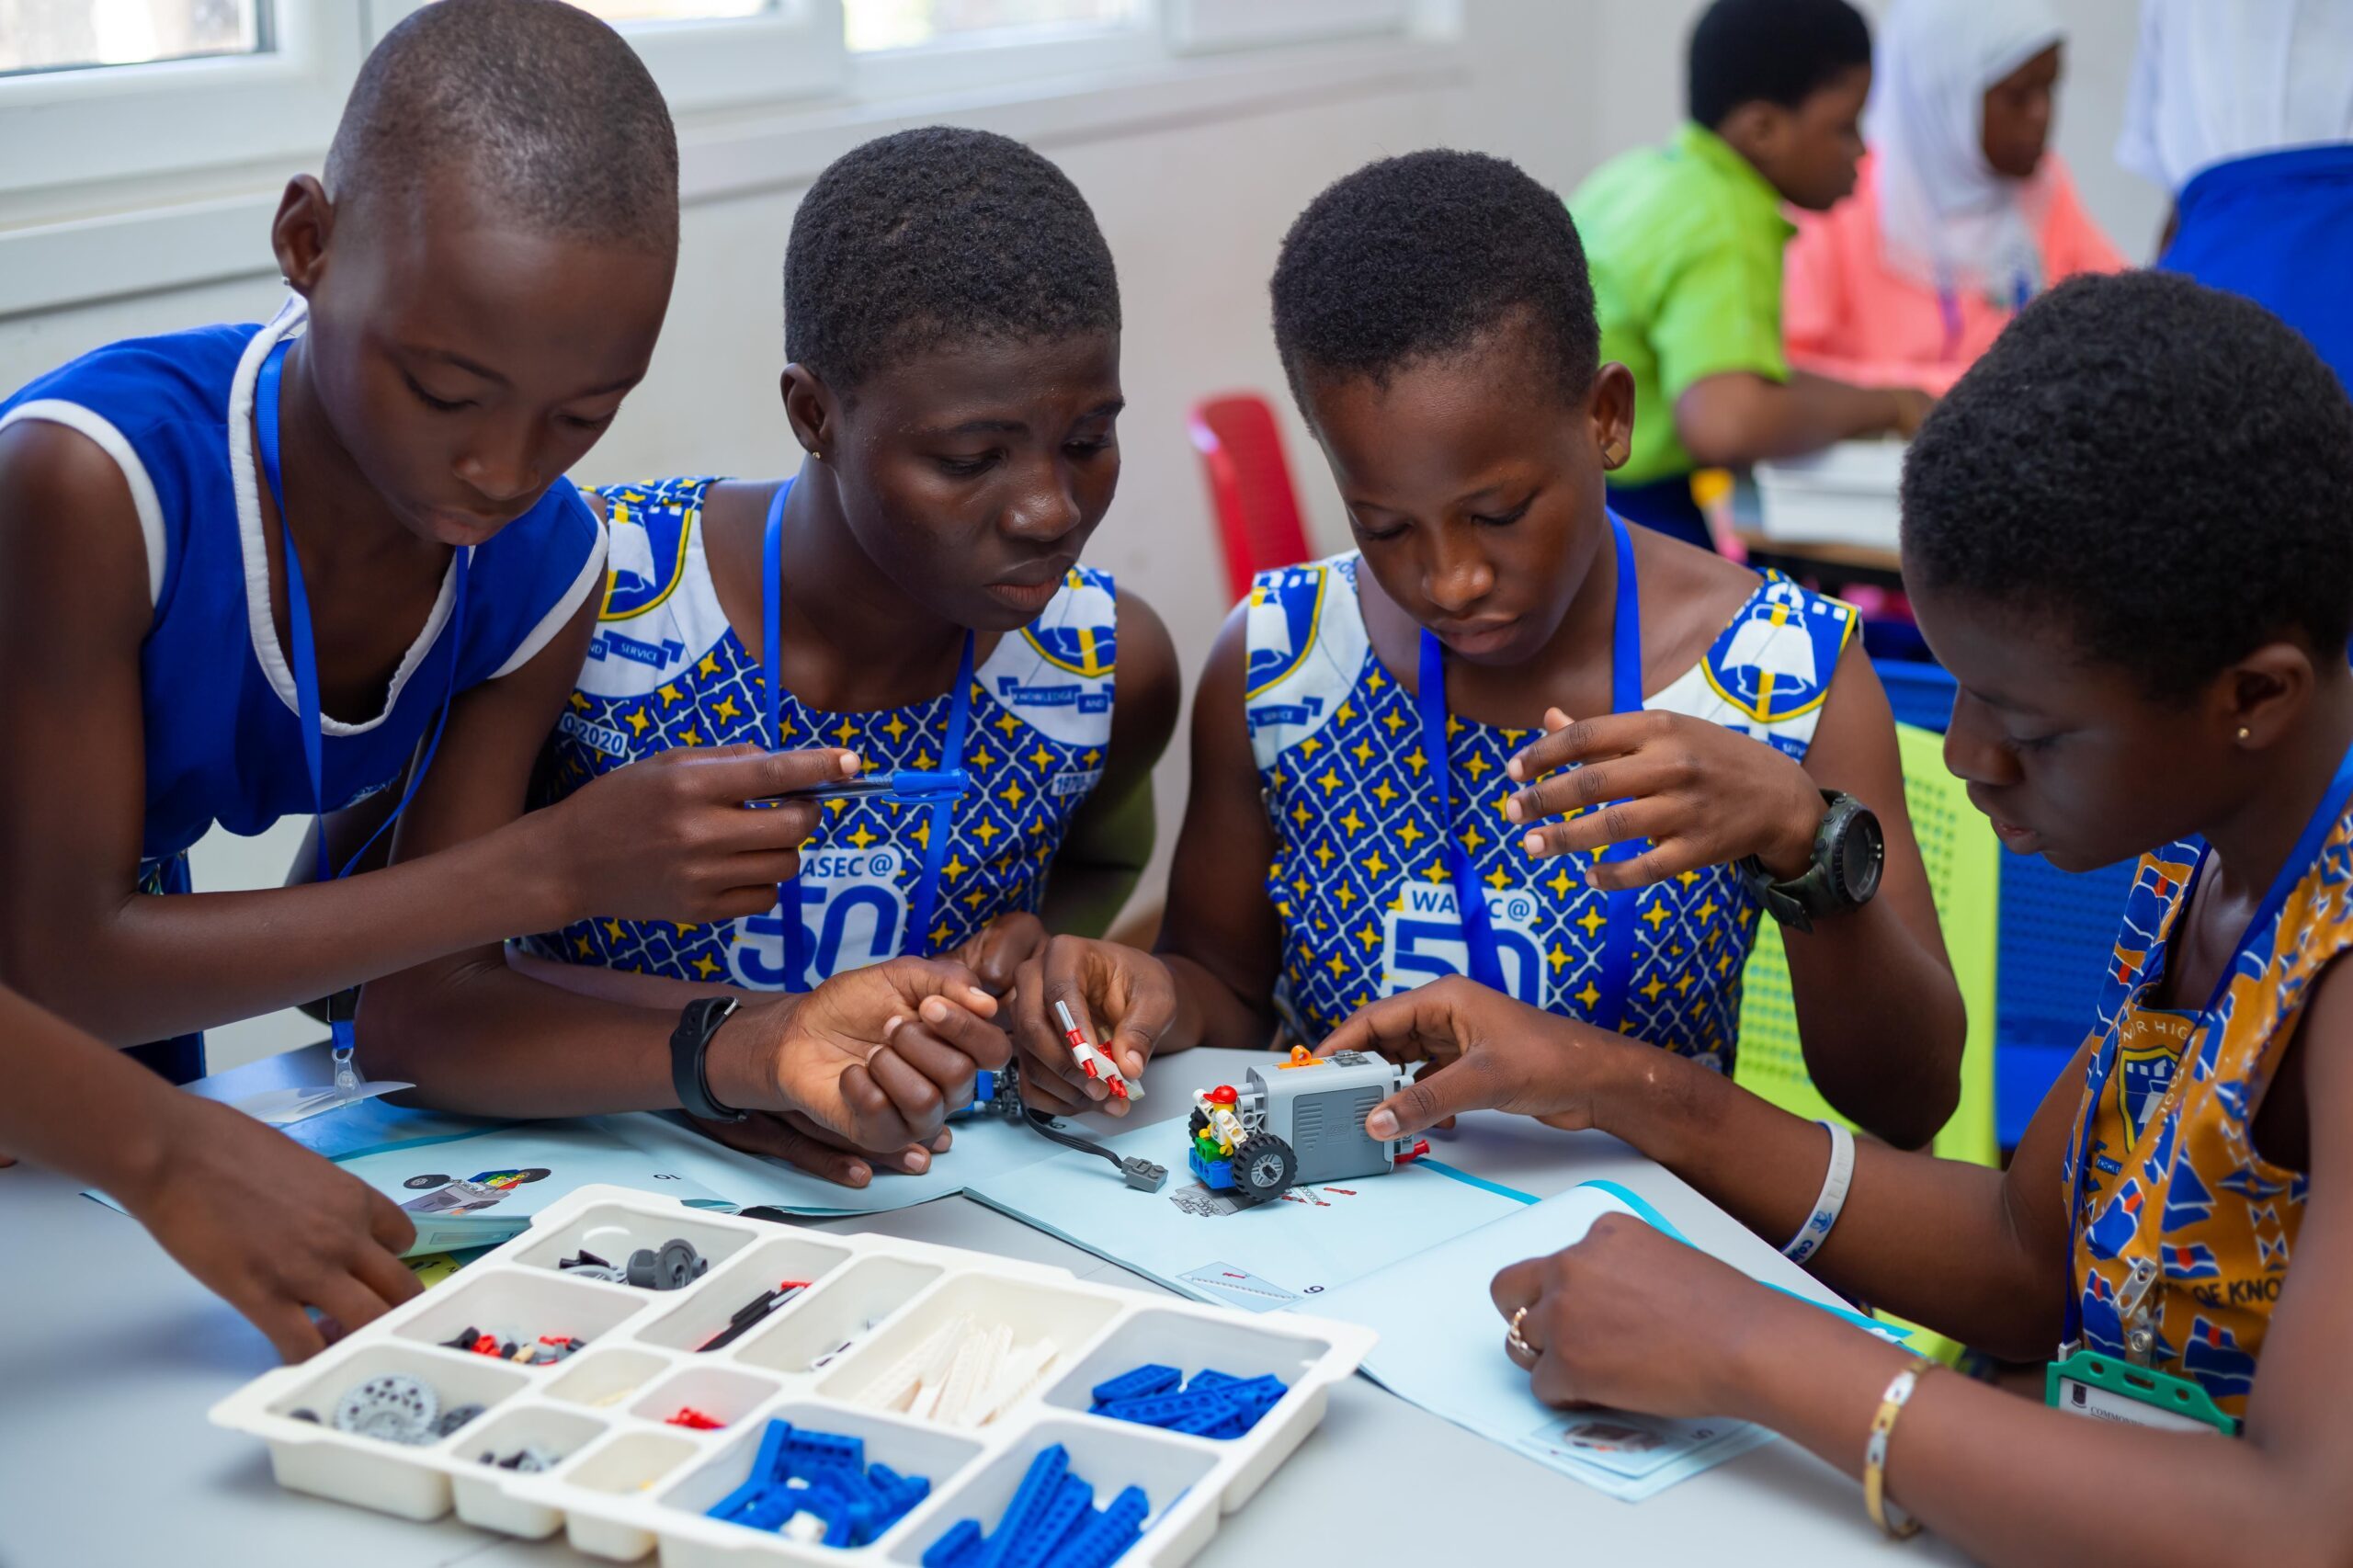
{"points": [[984, 61], [791, 52], [1207, 26], [70, 128]]}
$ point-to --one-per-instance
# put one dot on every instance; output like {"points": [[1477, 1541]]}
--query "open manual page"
{"points": [[1442, 1348], [469, 1185]]}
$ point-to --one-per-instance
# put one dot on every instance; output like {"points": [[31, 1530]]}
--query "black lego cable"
{"points": [[1141, 1174]]}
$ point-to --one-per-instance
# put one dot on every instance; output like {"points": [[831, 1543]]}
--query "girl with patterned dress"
{"points": [[1367, 723], [2148, 620], [913, 597]]}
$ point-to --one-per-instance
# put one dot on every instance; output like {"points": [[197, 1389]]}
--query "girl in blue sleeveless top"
{"points": [[2147, 617], [1369, 727], [248, 572], [912, 596]]}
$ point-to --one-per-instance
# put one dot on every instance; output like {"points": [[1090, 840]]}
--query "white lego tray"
{"points": [[1842, 495], [628, 1482]]}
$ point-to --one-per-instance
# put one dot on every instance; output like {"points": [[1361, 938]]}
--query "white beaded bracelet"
{"points": [[1834, 1181]]}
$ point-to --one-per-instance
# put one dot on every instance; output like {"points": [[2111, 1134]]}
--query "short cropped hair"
{"points": [[545, 108], [1782, 51], [2164, 469], [1421, 257], [938, 236]]}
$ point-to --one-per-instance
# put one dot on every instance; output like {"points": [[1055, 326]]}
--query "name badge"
{"points": [[2104, 1388]]}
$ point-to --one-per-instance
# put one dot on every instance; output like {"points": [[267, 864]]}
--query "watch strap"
{"points": [[690, 1056]]}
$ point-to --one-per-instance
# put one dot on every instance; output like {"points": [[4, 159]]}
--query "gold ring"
{"points": [[1513, 1339]]}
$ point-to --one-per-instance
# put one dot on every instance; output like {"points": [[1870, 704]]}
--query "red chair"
{"points": [[1257, 512]]}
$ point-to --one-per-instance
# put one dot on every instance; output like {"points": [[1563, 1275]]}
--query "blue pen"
{"points": [[906, 783]]}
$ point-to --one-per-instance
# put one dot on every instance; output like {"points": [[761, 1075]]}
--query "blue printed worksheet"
{"points": [[1213, 1247]]}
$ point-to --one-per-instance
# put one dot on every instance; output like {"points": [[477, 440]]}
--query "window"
{"points": [[873, 24], [98, 90], [66, 35], [707, 53], [618, 11]]}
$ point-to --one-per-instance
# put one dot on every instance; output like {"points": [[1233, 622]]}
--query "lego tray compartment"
{"points": [[715, 1298], [1195, 1339], [726, 1394], [604, 1377], [1108, 1456], [604, 1489], [613, 1230], [486, 1494], [690, 1537], [524, 1304], [840, 1313], [393, 1477], [1064, 1312]]}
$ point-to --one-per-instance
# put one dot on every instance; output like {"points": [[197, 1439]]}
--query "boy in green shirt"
{"points": [[1685, 243]]}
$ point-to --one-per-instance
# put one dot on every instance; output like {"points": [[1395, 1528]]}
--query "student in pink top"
{"points": [[1959, 215]]}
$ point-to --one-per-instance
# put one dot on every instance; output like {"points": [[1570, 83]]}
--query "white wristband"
{"points": [[1834, 1181]]}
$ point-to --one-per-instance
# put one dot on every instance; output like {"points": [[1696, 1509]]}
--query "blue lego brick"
{"points": [[1106, 1538], [1175, 1410], [807, 1451], [897, 1493], [1215, 1174], [959, 1548], [1149, 1379], [1030, 1499], [1040, 1545]]}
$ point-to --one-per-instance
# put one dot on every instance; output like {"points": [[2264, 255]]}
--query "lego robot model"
{"points": [[1302, 1122]]}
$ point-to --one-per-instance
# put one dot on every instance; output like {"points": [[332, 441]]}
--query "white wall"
{"points": [[1194, 206]]}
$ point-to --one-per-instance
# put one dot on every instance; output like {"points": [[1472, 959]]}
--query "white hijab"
{"points": [[1946, 219]]}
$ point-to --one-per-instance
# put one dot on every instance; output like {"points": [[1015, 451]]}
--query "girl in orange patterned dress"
{"points": [[2126, 534]]}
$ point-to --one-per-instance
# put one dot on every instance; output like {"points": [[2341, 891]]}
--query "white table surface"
{"points": [[110, 1355]]}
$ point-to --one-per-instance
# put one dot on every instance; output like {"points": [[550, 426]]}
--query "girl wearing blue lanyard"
{"points": [[914, 595], [2149, 630], [1359, 725]]}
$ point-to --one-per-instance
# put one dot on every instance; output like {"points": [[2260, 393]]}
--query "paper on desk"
{"points": [[479, 1190], [1442, 1348], [982, 1147], [487, 1179], [1206, 1246]]}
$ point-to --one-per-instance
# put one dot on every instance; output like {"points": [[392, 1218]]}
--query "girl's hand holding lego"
{"points": [[1631, 1318], [1488, 1051], [1702, 794], [669, 837], [1122, 1002], [877, 1057], [269, 1226]]}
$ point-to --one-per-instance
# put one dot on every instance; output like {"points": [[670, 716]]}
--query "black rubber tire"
{"points": [[1264, 1167]]}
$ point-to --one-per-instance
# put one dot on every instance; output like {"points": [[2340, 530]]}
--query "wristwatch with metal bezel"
{"points": [[1848, 853], [689, 1053]]}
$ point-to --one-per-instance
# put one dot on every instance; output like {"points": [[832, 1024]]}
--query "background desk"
{"points": [[109, 1356]]}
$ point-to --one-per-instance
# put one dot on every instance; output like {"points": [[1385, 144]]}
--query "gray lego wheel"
{"points": [[1264, 1167], [392, 1407]]}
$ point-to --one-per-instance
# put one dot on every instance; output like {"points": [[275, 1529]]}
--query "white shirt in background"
{"points": [[2222, 79]]}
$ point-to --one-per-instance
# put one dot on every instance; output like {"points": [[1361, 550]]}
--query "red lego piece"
{"points": [[694, 1420]]}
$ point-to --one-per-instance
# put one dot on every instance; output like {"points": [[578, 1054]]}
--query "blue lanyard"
{"points": [[2292, 871], [942, 787], [303, 652], [1948, 308], [1470, 900]]}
